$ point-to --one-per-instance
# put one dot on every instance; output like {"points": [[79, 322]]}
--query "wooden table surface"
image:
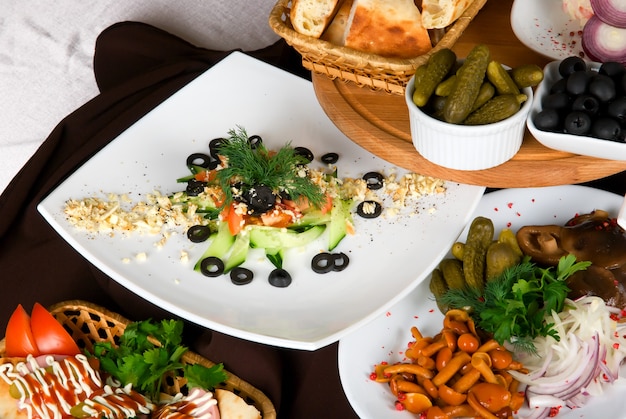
{"points": [[379, 121]]}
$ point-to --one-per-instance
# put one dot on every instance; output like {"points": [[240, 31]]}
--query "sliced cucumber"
{"points": [[311, 218], [340, 216], [220, 245], [238, 253], [283, 238]]}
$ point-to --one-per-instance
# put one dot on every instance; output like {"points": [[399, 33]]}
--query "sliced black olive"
{"points": [[305, 153], [330, 158], [279, 278], [340, 261], [255, 141], [259, 199], [241, 276], [369, 209], [322, 263], [214, 147], [199, 159], [212, 266], [373, 180], [198, 233], [195, 187]]}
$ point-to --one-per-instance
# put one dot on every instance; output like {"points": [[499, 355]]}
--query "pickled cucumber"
{"points": [[457, 250], [437, 67], [479, 239], [500, 256], [445, 87], [496, 109], [501, 80], [452, 271], [527, 75], [508, 236], [486, 92], [438, 287], [469, 79]]}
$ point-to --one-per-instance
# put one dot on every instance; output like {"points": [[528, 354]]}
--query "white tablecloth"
{"points": [[46, 53]]}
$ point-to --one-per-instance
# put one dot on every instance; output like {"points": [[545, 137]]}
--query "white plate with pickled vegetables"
{"points": [[388, 256], [386, 338]]}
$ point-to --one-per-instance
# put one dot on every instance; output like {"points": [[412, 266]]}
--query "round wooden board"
{"points": [[379, 122]]}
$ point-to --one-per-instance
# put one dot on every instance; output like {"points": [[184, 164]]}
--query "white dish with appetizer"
{"points": [[545, 27], [386, 338], [315, 310]]}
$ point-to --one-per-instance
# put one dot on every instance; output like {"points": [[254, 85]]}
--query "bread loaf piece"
{"points": [[336, 31], [438, 14], [311, 17], [390, 28]]}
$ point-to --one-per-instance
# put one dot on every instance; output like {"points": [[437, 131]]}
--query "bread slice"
{"points": [[234, 407], [390, 28], [336, 31], [437, 14], [311, 17]]}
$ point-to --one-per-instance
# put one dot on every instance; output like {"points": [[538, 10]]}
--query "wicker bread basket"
{"points": [[374, 71], [89, 323]]}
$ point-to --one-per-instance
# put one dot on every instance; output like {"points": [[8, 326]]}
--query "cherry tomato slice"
{"points": [[19, 339], [49, 334]]}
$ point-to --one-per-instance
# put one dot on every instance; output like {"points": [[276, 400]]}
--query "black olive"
{"points": [[577, 123], [559, 86], [241, 276], [255, 141], [322, 263], [195, 187], [558, 101], [373, 180], [365, 210], [214, 147], [548, 120], [199, 159], [606, 128], [340, 261], [571, 65], [602, 87], [617, 109], [279, 278], [330, 158], [577, 82], [212, 266], [586, 103], [612, 69], [305, 153], [260, 199], [198, 233]]}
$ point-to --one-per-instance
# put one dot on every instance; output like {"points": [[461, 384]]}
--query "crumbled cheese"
{"points": [[184, 256], [141, 256]]}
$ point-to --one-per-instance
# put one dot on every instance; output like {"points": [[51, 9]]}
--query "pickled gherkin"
{"points": [[479, 238]]}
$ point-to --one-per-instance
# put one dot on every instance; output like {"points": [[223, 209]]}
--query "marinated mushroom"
{"points": [[593, 237]]}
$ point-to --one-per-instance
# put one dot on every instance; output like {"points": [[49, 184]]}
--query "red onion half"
{"points": [[602, 42], [612, 12]]}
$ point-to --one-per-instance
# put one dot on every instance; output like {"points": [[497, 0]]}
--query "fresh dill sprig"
{"points": [[513, 306], [248, 167]]}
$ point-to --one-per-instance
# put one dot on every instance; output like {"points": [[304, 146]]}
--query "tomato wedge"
{"points": [[49, 334], [234, 218], [19, 338]]}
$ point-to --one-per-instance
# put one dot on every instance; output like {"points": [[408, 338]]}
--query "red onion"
{"points": [[602, 42], [611, 12]]}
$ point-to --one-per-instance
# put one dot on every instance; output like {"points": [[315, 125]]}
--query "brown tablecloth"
{"points": [[136, 67]]}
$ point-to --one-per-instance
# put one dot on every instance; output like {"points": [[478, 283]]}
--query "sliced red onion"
{"points": [[602, 42], [612, 12]]}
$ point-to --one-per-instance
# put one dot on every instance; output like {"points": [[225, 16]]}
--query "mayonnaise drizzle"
{"points": [[52, 390]]}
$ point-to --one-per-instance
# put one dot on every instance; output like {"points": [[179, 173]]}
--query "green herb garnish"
{"points": [[137, 360], [513, 306], [249, 167]]}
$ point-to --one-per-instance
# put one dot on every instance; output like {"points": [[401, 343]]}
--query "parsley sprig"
{"points": [[140, 361], [513, 307], [283, 171]]}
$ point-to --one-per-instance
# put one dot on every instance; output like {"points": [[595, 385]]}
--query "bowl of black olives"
{"points": [[580, 107]]}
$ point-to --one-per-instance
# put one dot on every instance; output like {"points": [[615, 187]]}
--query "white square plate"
{"points": [[388, 257]]}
